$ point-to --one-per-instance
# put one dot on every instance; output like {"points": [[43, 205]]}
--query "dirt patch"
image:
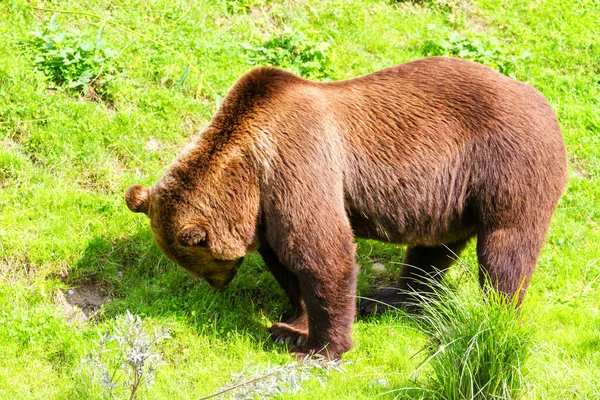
{"points": [[96, 92], [578, 168], [382, 277], [580, 172], [80, 303], [154, 145], [87, 297]]}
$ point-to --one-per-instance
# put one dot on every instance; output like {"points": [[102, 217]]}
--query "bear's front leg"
{"points": [[328, 286], [306, 224], [295, 329]]}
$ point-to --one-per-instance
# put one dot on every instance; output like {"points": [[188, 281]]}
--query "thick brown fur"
{"points": [[428, 154]]}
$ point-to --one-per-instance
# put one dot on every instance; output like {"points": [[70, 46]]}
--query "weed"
{"points": [[442, 4], [73, 60], [476, 348], [293, 51], [11, 164], [132, 363], [239, 6], [273, 381], [485, 51]]}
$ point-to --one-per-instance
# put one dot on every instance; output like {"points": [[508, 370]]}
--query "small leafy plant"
{"points": [[293, 51], [485, 51], [78, 62], [126, 360]]}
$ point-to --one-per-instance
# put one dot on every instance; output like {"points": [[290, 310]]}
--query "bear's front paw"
{"points": [[330, 351], [289, 334]]}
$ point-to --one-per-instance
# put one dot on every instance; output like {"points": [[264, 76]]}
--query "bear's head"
{"points": [[189, 233]]}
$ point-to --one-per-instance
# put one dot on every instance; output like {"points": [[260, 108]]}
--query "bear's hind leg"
{"points": [[422, 266], [507, 257], [295, 329]]}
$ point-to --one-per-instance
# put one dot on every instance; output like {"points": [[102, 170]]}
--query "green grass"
{"points": [[66, 158], [476, 350]]}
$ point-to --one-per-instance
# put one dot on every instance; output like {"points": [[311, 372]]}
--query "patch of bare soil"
{"points": [[79, 304]]}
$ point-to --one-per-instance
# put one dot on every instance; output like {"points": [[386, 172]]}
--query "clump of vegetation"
{"points": [[274, 381], [238, 6], [443, 4], [78, 62], [11, 164], [476, 347], [485, 51], [126, 360], [293, 51]]}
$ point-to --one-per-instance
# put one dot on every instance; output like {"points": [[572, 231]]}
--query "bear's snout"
{"points": [[220, 279]]}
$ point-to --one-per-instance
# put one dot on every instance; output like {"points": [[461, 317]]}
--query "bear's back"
{"points": [[427, 140]]}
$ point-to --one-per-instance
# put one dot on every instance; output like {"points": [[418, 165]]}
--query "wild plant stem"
{"points": [[245, 383], [136, 385]]}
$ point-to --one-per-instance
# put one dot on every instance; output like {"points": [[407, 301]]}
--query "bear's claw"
{"points": [[282, 332]]}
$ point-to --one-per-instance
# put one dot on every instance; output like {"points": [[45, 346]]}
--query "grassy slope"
{"points": [[65, 163]]}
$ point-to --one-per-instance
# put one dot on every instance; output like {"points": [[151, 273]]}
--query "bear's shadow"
{"points": [[137, 277]]}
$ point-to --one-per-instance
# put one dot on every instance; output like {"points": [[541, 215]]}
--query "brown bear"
{"points": [[429, 154]]}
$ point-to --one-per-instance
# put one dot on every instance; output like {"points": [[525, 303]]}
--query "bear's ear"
{"points": [[191, 235], [137, 198]]}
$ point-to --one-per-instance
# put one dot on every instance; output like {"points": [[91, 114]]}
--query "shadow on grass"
{"points": [[133, 271], [140, 279]]}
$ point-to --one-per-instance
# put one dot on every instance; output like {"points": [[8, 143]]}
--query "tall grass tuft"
{"points": [[477, 343]]}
